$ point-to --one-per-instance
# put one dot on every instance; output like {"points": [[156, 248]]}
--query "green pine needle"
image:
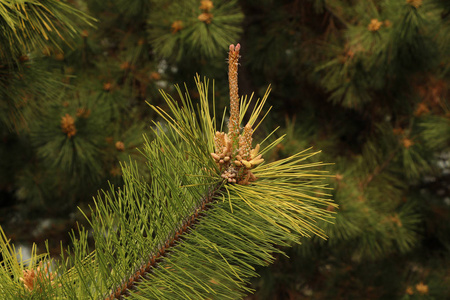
{"points": [[226, 229]]}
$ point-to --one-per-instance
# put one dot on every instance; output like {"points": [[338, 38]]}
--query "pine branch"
{"points": [[186, 29], [199, 226], [378, 169], [33, 24]]}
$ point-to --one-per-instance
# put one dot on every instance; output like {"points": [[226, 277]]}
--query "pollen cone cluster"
{"points": [[206, 16], [233, 151], [68, 125], [32, 278]]}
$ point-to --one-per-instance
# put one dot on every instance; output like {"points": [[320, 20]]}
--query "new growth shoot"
{"points": [[233, 150]]}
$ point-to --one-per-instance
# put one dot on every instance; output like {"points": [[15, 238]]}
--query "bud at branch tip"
{"points": [[235, 48]]}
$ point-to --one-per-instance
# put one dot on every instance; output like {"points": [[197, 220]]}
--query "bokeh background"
{"points": [[365, 81]]}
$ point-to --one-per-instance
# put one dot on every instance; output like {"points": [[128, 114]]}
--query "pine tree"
{"points": [[382, 66], [211, 211], [365, 81], [68, 135]]}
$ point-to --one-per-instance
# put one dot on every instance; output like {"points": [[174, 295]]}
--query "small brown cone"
{"points": [[415, 3], [206, 5], [407, 143], [374, 25], [120, 146], [68, 125], [205, 17], [176, 26], [422, 288]]}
